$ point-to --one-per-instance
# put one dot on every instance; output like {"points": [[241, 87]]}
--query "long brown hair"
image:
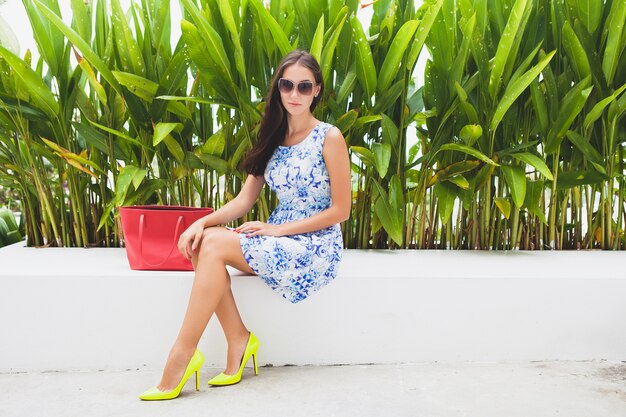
{"points": [[274, 123]]}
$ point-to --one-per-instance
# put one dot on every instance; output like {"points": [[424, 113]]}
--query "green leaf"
{"points": [[466, 105], [535, 190], [40, 95], [466, 149], [9, 218], [513, 25], [50, 43], [423, 30], [98, 140], [572, 179], [460, 181], [93, 80], [174, 147], [382, 156], [210, 37], [141, 87], [483, 176], [390, 218], [121, 135], [393, 59], [470, 134], [364, 155], [214, 72], [591, 154], [366, 120], [213, 162], [535, 162], [267, 21], [575, 52], [129, 175], [446, 195], [389, 132], [539, 104], [597, 110], [229, 21], [328, 52], [197, 100], [388, 98], [515, 89], [504, 205], [82, 46], [614, 41], [589, 12], [460, 62], [452, 171], [347, 86], [127, 47], [366, 71], [162, 130], [571, 106], [318, 38], [215, 144], [516, 180], [346, 121]]}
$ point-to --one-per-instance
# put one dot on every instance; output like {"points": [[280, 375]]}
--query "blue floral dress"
{"points": [[297, 265]]}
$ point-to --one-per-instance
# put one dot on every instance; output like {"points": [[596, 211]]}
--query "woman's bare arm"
{"points": [[238, 206]]}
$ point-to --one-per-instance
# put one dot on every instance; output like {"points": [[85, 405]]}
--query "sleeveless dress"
{"points": [[296, 266]]}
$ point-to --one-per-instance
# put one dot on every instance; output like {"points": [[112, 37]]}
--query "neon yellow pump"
{"points": [[193, 367], [251, 349]]}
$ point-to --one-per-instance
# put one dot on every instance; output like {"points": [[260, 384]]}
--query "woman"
{"points": [[298, 251]]}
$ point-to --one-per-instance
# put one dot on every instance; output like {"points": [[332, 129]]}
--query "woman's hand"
{"points": [[190, 239], [259, 228]]}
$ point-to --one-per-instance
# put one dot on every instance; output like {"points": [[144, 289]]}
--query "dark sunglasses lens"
{"points": [[305, 88], [285, 86]]}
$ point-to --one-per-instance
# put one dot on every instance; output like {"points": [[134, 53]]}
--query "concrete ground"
{"points": [[529, 389]]}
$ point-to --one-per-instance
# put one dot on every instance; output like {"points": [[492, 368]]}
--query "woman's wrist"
{"points": [[204, 222]]}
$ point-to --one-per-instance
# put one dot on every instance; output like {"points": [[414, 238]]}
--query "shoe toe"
{"points": [[155, 394]]}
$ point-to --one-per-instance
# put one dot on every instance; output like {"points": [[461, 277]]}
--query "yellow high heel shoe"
{"points": [[251, 348], [194, 366]]}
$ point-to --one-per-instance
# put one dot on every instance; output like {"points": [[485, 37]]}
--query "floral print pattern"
{"points": [[296, 266]]}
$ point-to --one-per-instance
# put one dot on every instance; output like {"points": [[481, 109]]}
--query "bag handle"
{"points": [[141, 228]]}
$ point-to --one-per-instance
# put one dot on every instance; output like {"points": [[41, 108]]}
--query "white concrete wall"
{"points": [[63, 309]]}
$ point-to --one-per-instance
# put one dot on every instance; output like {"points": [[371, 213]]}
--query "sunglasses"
{"points": [[304, 87]]}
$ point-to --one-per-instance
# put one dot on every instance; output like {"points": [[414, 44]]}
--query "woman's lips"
{"points": [[294, 104]]}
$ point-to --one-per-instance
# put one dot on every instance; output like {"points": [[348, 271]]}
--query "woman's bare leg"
{"points": [[227, 312], [211, 285]]}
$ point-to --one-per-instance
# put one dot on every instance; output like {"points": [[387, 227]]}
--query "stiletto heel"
{"points": [[194, 366], [251, 349]]}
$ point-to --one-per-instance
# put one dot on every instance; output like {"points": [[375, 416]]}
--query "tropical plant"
{"points": [[9, 230], [519, 124], [508, 82], [127, 124]]}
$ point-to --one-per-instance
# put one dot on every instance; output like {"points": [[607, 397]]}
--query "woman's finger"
{"points": [[196, 241]]}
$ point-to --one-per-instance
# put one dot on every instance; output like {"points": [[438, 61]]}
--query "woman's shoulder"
{"points": [[333, 136], [331, 130]]}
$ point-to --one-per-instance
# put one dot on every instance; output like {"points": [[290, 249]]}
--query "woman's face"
{"points": [[297, 89]]}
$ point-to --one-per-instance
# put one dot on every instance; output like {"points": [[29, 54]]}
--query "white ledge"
{"points": [[64, 309]]}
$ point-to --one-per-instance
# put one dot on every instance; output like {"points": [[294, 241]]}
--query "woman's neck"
{"points": [[299, 124]]}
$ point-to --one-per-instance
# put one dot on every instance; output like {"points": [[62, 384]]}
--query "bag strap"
{"points": [[141, 229]]}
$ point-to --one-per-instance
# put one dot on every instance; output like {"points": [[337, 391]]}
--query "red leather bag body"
{"points": [[151, 235]]}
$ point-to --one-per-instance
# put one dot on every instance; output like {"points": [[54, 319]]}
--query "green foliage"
{"points": [[515, 140], [9, 230]]}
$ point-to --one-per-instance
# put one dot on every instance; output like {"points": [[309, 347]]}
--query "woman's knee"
{"points": [[212, 242]]}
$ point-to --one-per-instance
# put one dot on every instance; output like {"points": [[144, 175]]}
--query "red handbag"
{"points": [[151, 235]]}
